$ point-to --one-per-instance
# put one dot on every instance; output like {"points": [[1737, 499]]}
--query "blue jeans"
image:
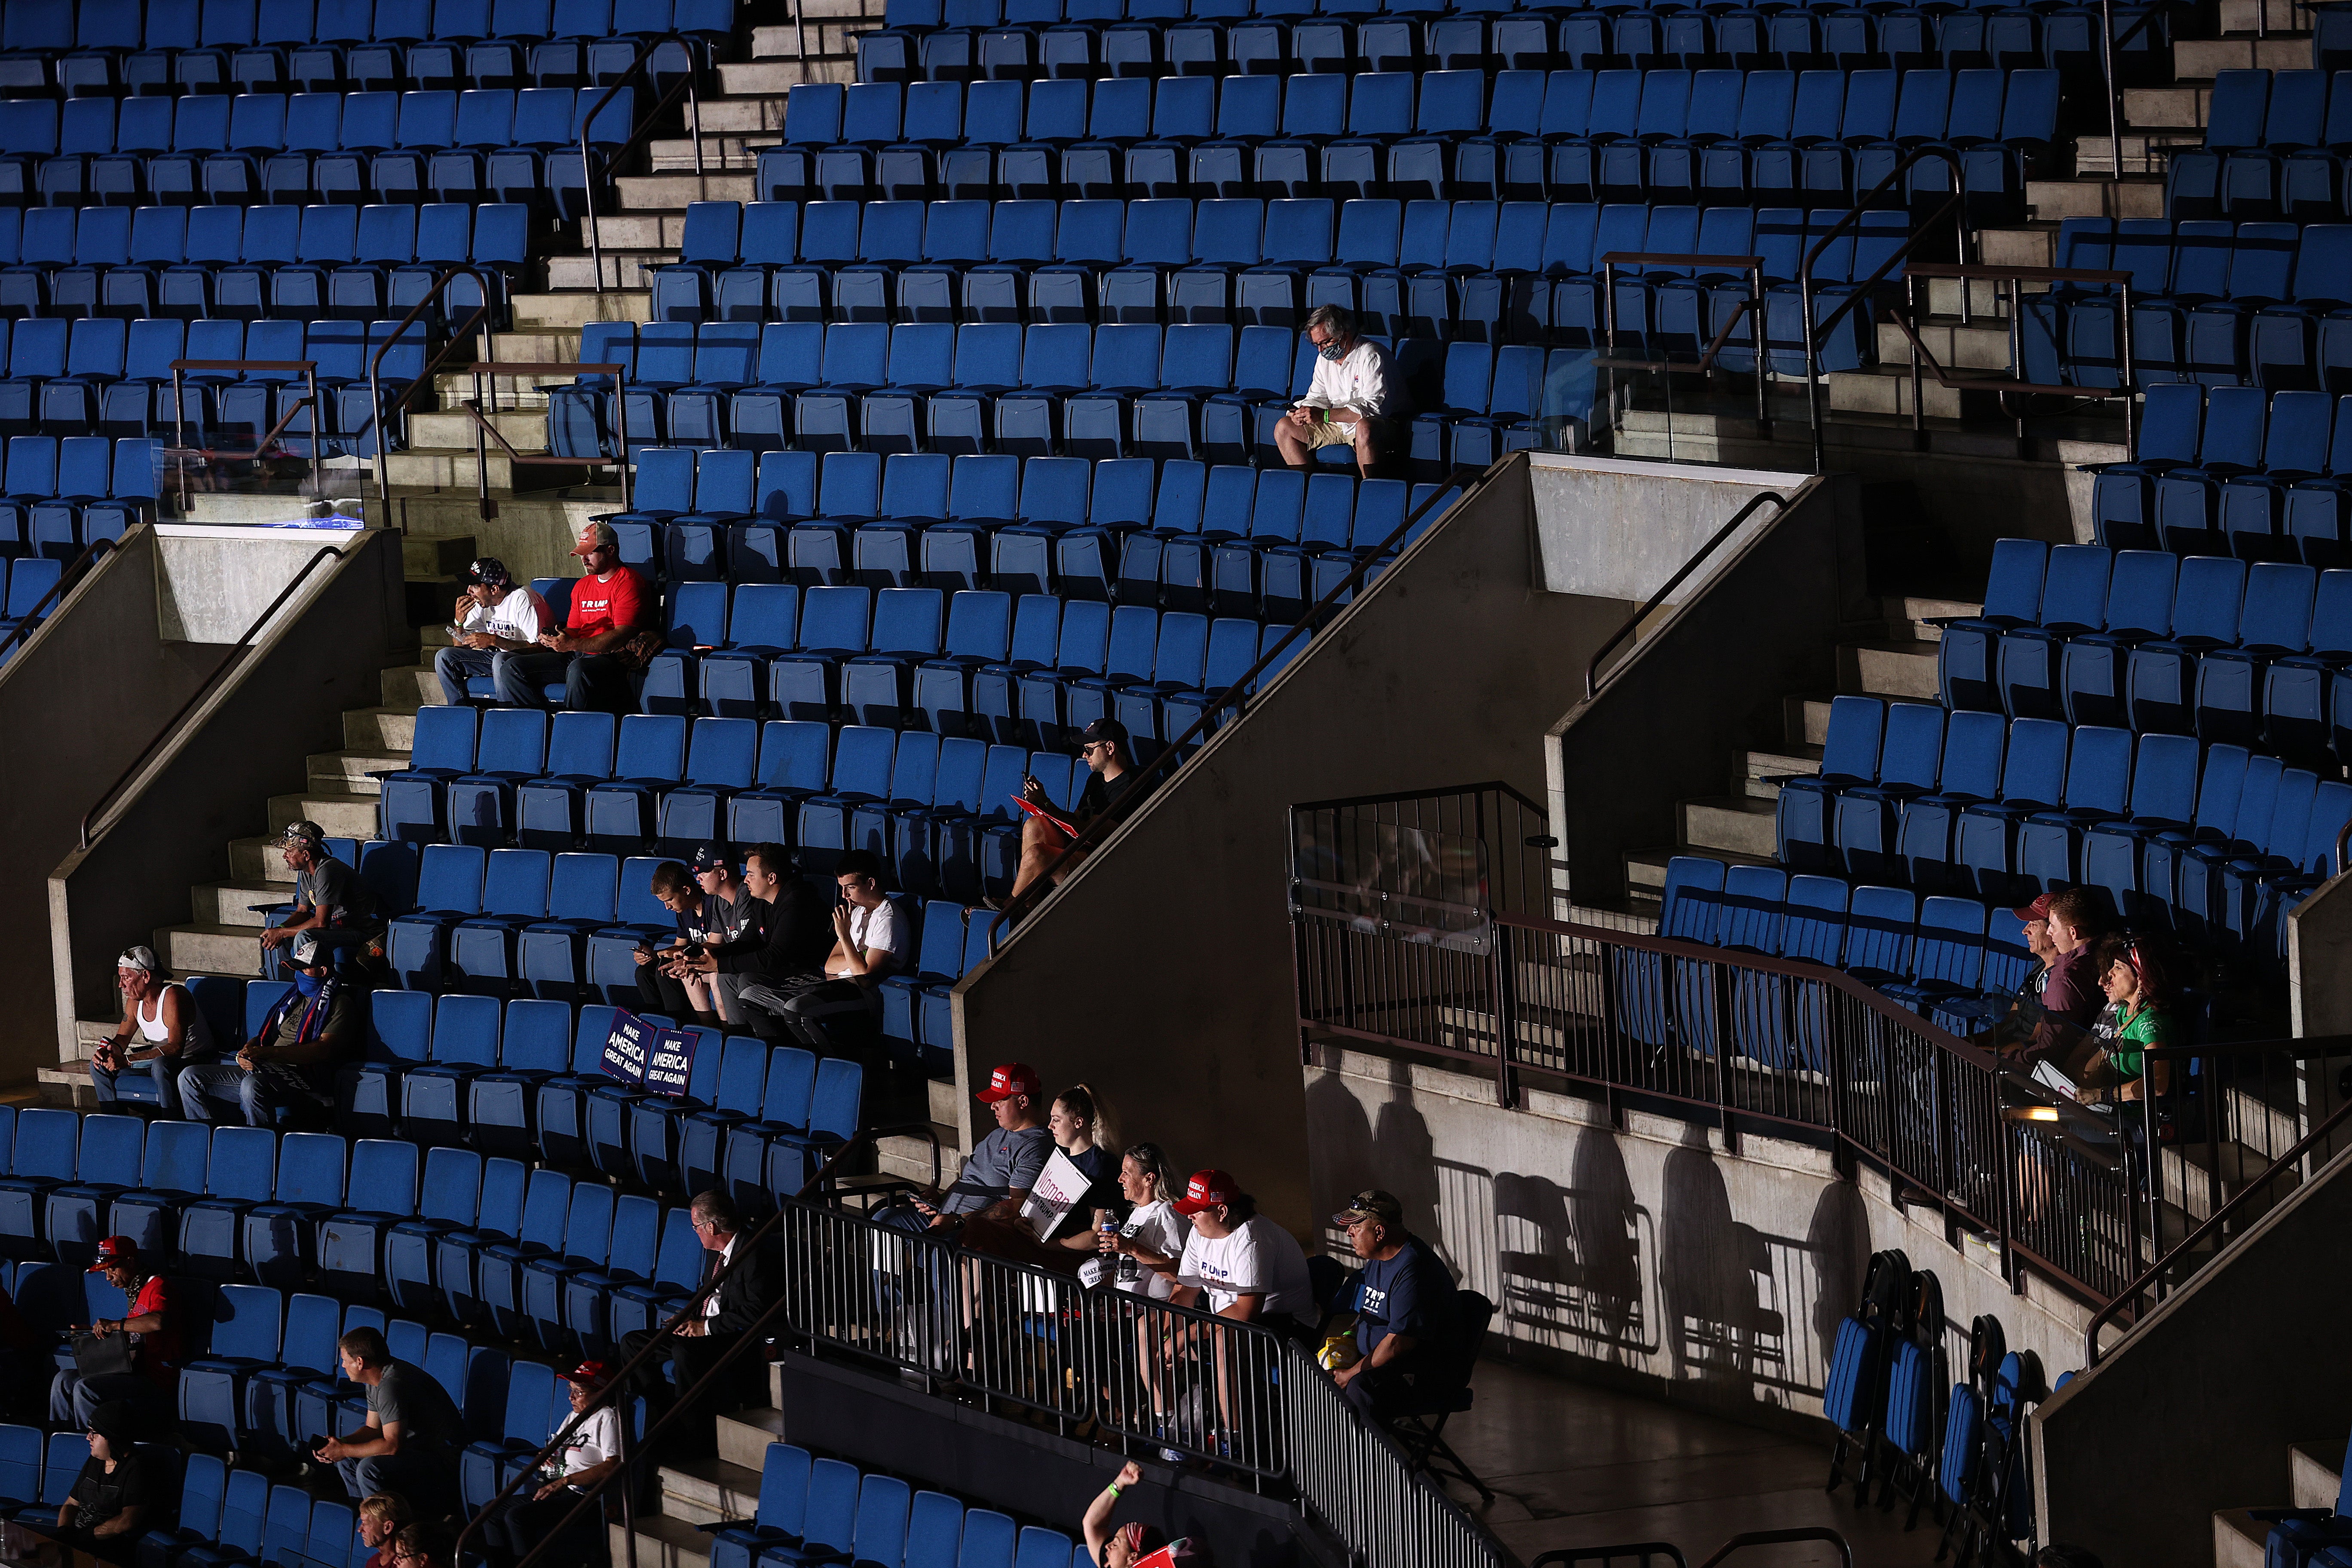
{"points": [[163, 1069], [453, 665], [73, 1396], [426, 1478], [595, 683], [211, 1090]]}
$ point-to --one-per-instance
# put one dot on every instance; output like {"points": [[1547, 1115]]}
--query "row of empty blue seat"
{"points": [[2274, 144], [1746, 135], [2236, 470], [511, 147], [152, 46]]}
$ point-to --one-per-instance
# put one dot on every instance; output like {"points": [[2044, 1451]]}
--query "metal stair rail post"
{"points": [[424, 378], [644, 127]]}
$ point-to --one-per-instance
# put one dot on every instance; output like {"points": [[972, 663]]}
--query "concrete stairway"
{"points": [[2314, 1472]]}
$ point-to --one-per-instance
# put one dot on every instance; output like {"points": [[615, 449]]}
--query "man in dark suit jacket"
{"points": [[753, 1282]]}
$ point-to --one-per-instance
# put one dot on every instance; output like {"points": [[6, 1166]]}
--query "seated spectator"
{"points": [[1075, 1124], [422, 1546], [162, 1030], [592, 1453], [595, 653], [2070, 995], [743, 1296], [290, 1061], [103, 1514], [2141, 1011], [685, 994], [1403, 1305], [1349, 403], [330, 897], [1247, 1268], [413, 1434], [1003, 1166], [153, 1328], [867, 941], [495, 615], [781, 949], [1141, 1255], [381, 1517], [1114, 788]]}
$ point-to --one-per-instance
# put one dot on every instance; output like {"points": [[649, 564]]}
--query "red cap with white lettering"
{"points": [[1206, 1190], [1011, 1078]]}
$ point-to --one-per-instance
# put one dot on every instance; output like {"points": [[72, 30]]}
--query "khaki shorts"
{"points": [[1326, 434]]}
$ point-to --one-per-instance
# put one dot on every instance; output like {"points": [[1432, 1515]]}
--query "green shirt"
{"points": [[2123, 1038]]}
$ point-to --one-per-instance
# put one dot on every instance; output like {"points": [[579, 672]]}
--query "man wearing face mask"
{"points": [[290, 1060], [1350, 400]]}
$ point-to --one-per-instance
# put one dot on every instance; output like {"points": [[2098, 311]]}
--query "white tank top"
{"points": [[154, 1030]]}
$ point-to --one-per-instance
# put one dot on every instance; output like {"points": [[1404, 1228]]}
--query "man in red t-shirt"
{"points": [[608, 603], [153, 1379]]}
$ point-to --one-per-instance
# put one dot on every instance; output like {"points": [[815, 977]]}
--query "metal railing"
{"points": [[494, 368], [1592, 681], [1459, 486], [1751, 307], [1905, 318], [376, 411], [1739, 1039], [228, 661], [643, 129], [1813, 333], [30, 622], [310, 400]]}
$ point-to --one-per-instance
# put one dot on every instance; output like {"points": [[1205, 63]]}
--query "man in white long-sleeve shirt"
{"points": [[1349, 400]]}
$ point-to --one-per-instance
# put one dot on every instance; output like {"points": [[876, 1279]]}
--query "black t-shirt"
{"points": [[1117, 796], [99, 1495]]}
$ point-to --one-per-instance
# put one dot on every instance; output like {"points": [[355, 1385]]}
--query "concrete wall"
{"points": [[1645, 1256], [2195, 1411], [1619, 529], [79, 700], [1761, 626], [1160, 973], [170, 828]]}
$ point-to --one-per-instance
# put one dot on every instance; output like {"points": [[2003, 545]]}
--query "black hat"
{"points": [[113, 1421], [491, 571], [1104, 729], [710, 857]]}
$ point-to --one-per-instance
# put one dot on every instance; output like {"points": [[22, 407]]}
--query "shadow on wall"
{"points": [[1713, 1272]]}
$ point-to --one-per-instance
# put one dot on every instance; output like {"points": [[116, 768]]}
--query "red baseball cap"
{"points": [[1206, 1190], [594, 1373], [2039, 910], [115, 1251], [1011, 1078]]}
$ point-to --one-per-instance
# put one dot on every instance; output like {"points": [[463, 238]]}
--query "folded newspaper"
{"points": [[2046, 1074]]}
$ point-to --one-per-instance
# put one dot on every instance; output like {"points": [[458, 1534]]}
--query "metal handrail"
{"points": [[1235, 697], [1747, 1539], [644, 127], [30, 622], [1566, 1557], [1997, 274], [179, 447], [1957, 204], [424, 378], [2220, 1216], [1754, 304], [235, 653], [515, 369], [1592, 666], [617, 1386]]}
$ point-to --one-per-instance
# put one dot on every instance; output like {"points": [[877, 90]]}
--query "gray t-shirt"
{"points": [[336, 891], [426, 1414], [1003, 1162]]}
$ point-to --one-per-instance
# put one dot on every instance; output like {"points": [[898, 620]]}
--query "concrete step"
{"points": [[445, 467], [2199, 59], [1987, 304], [2021, 246], [623, 269], [721, 152], [342, 815], [2276, 15], [2145, 153], [557, 311], [1809, 716], [709, 1491], [65, 1086], [259, 860], [2316, 1469], [210, 949], [744, 1437], [2181, 107], [231, 903], [1983, 345], [759, 116], [910, 1158], [745, 77], [2238, 1538], [1888, 390], [524, 429], [347, 772], [943, 1099], [623, 231], [433, 558], [1759, 769], [1916, 612], [1646, 870], [2064, 199], [389, 728], [661, 1543], [663, 192], [411, 687], [1735, 822], [1903, 669]]}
